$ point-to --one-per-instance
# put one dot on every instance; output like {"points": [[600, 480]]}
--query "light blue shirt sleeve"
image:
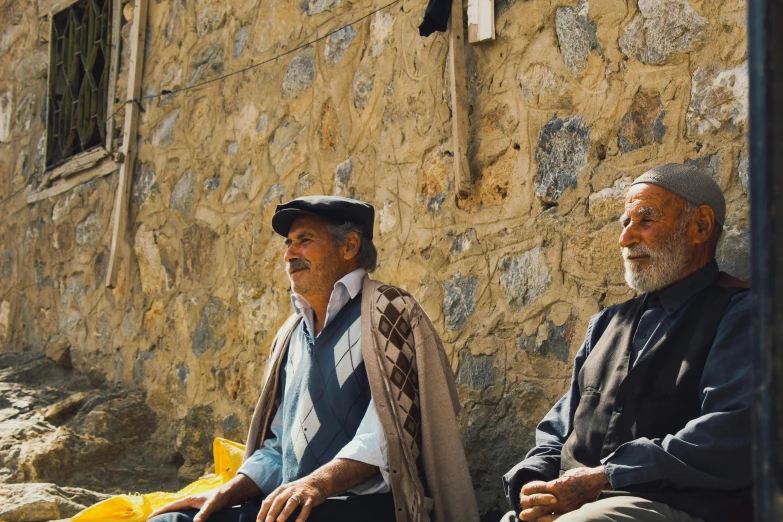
{"points": [[265, 465], [369, 446]]}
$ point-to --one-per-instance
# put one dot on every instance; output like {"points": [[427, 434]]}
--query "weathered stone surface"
{"points": [[719, 100], [174, 27], [524, 277], [5, 320], [210, 16], [205, 63], [337, 44], [380, 32], [459, 300], [733, 253], [478, 372], [194, 439], [342, 179], [314, 7], [576, 35], [210, 332], [197, 244], [6, 115], [153, 275], [283, 145], [539, 83], [145, 184], [299, 76], [240, 40], [164, 134], [25, 112], [463, 242], [43, 502], [59, 351], [710, 162], [240, 185], [608, 203], [662, 28], [88, 232], [743, 168], [329, 130], [561, 156], [551, 341], [274, 196], [182, 195], [362, 89], [643, 123]]}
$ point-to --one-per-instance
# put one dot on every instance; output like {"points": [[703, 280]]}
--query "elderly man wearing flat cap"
{"points": [[357, 415], [656, 423]]}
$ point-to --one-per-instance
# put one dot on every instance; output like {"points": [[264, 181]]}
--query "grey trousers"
{"points": [[621, 509]]}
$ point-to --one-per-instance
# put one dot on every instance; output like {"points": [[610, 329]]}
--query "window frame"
{"points": [[102, 159]]}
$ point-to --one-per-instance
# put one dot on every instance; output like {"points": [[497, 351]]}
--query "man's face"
{"points": [[655, 241], [313, 263]]}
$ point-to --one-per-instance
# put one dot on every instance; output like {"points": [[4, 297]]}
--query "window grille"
{"points": [[78, 79]]}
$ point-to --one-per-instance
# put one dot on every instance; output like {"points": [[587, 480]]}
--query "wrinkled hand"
{"points": [[237, 490], [546, 501], [206, 503], [307, 492]]}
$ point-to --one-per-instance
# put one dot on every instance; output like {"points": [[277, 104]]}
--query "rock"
{"points": [[337, 44], [197, 245], [59, 351], [64, 409], [342, 179], [314, 7], [7, 264], [176, 21], [329, 130], [553, 341], [662, 28], [240, 184], [462, 243], [561, 156], [208, 61], [435, 182], [576, 35], [459, 300], [212, 183], [274, 195], [182, 195], [209, 333], [5, 320], [283, 146], [524, 277], [733, 253], [538, 82], [719, 100], [608, 203], [6, 113], [43, 502], [709, 162], [209, 16], [299, 76], [88, 232], [10, 36], [34, 65], [303, 185], [195, 435], [163, 135], [263, 122], [152, 273], [380, 32], [25, 112], [643, 124], [240, 40], [127, 12], [145, 185], [743, 173], [478, 372], [387, 217], [362, 88]]}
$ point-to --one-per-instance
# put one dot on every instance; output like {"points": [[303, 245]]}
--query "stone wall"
{"points": [[567, 105]]}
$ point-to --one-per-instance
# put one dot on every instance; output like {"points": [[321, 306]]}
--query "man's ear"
{"points": [[704, 219], [351, 246]]}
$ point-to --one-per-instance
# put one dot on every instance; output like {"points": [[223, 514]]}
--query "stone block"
{"points": [[42, 502], [733, 254], [59, 351], [459, 300], [299, 75], [661, 29], [576, 35], [561, 156], [478, 372], [524, 277], [362, 89], [314, 7], [342, 179], [206, 62], [182, 195], [163, 135], [719, 100], [210, 332], [63, 410], [380, 32], [608, 203], [337, 44], [88, 232], [643, 123]]}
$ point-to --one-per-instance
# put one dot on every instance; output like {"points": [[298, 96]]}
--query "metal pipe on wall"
{"points": [[765, 67]]}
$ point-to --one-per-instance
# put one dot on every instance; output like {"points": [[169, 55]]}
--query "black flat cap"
{"points": [[331, 208]]}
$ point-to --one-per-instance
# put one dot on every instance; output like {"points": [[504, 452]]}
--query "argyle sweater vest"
{"points": [[325, 392]]}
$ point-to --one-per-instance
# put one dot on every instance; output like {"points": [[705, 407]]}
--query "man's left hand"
{"points": [[573, 489], [306, 492]]}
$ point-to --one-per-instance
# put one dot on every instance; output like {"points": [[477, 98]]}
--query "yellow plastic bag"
{"points": [[136, 508]]}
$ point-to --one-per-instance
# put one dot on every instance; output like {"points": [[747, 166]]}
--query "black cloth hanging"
{"points": [[436, 17]]}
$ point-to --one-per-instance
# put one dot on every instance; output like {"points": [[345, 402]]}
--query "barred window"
{"points": [[79, 63]]}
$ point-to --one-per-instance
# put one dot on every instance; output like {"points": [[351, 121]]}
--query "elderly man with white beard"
{"points": [[656, 423]]}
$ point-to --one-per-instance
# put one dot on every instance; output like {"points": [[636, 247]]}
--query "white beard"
{"points": [[666, 262]]}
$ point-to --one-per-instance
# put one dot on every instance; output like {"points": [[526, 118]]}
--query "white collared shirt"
{"points": [[265, 466]]}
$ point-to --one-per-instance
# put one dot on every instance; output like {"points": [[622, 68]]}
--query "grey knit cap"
{"points": [[690, 183]]}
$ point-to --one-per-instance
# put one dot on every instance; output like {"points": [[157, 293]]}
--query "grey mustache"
{"points": [[297, 264]]}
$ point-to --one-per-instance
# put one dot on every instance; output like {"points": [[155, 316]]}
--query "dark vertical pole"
{"points": [[765, 57]]}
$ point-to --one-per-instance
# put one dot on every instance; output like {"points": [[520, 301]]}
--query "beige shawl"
{"points": [[414, 393]]}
